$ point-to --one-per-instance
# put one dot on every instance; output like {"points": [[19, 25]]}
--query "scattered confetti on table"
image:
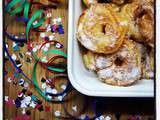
{"points": [[35, 77]]}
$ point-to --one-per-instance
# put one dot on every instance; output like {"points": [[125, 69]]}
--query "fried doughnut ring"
{"points": [[89, 60], [98, 29], [117, 2], [127, 18], [122, 68], [148, 64], [145, 21]]}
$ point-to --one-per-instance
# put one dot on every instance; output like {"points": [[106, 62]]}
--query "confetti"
{"points": [[47, 45], [45, 49], [28, 53], [17, 102], [14, 57], [58, 45], [44, 59], [16, 37], [26, 84], [42, 35], [51, 37], [34, 49], [10, 102], [33, 105], [63, 87], [9, 79], [60, 29], [44, 86], [35, 22], [15, 48], [59, 20], [24, 111], [57, 113], [108, 118], [21, 82], [18, 63], [14, 44], [74, 108], [47, 108], [49, 15], [6, 98]]}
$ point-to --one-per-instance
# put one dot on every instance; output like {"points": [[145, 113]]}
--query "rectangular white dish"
{"points": [[86, 82]]}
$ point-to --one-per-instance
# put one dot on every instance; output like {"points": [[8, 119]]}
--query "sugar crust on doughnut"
{"points": [[99, 29], [127, 72]]}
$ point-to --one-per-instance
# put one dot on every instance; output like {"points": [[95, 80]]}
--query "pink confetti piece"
{"points": [[10, 102], [22, 117]]}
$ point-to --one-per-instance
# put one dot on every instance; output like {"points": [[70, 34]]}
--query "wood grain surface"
{"points": [[110, 106]]}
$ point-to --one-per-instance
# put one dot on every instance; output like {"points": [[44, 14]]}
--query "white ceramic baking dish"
{"points": [[86, 82]]}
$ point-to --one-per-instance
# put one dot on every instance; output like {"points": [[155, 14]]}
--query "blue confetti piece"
{"points": [[16, 75], [15, 48], [17, 102], [138, 118], [86, 118], [60, 29]]}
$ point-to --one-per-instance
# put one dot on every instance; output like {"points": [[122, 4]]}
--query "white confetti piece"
{"points": [[28, 53], [14, 44], [6, 98], [9, 79], [51, 37], [26, 84], [44, 59], [54, 91], [60, 98], [27, 99], [34, 49], [48, 90], [16, 37], [48, 29], [6, 45], [49, 15], [57, 113], [33, 105], [74, 108], [37, 47], [14, 57], [82, 117], [23, 104], [101, 117], [59, 20], [54, 21], [45, 49], [47, 45], [35, 22], [24, 111], [44, 86], [108, 118], [42, 35], [63, 87], [21, 81], [50, 97], [5, 54], [58, 45]]}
